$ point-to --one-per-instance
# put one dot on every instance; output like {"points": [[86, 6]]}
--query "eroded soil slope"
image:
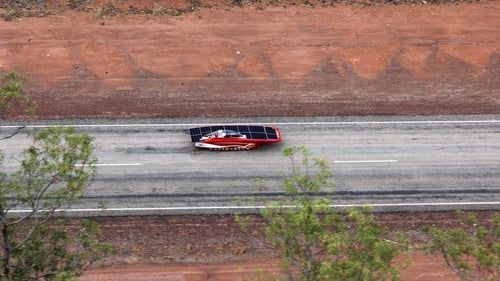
{"points": [[343, 60]]}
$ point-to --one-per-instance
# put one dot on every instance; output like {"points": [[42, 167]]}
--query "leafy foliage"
{"points": [[54, 254], [471, 250], [319, 243], [362, 251], [12, 94], [53, 173]]}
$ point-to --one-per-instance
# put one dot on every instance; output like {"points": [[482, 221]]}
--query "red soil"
{"points": [[424, 268], [216, 248], [344, 60]]}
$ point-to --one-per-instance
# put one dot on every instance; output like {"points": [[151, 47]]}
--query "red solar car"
{"points": [[234, 137]]}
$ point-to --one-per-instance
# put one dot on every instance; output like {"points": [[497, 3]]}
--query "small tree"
{"points": [[53, 173], [361, 250], [12, 94], [471, 250], [317, 242]]}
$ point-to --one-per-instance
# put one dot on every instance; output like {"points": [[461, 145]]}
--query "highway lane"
{"points": [[423, 164]]}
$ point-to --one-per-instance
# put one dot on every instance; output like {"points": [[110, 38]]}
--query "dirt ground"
{"points": [[424, 268], [251, 61], [216, 248]]}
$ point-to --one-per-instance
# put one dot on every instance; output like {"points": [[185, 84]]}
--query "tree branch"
{"points": [[36, 202]]}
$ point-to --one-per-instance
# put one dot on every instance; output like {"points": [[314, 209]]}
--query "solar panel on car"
{"points": [[216, 128], [232, 128], [195, 131], [243, 129], [252, 132], [256, 129], [270, 130], [205, 130], [272, 136], [195, 134], [261, 136]]}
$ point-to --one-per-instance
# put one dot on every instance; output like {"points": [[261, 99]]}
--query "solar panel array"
{"points": [[252, 132]]}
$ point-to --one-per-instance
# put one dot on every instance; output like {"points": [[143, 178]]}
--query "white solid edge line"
{"points": [[110, 164], [263, 123], [365, 161], [262, 207]]}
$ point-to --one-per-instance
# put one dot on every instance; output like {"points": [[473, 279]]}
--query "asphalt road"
{"points": [[404, 163]]}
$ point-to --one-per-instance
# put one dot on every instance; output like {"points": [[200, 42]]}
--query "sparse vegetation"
{"points": [[158, 10], [470, 249], [108, 10], [196, 4], [11, 9], [318, 243], [76, 4], [238, 3], [13, 95]]}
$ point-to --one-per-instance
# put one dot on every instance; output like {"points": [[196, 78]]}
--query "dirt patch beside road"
{"points": [[424, 268], [343, 60], [198, 247], [215, 238]]}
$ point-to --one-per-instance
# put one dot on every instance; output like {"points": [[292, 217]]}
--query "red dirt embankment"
{"points": [[344, 60], [193, 248]]}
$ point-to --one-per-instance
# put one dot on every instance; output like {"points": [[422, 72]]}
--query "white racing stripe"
{"points": [[426, 204], [365, 161], [263, 123], [113, 164]]}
